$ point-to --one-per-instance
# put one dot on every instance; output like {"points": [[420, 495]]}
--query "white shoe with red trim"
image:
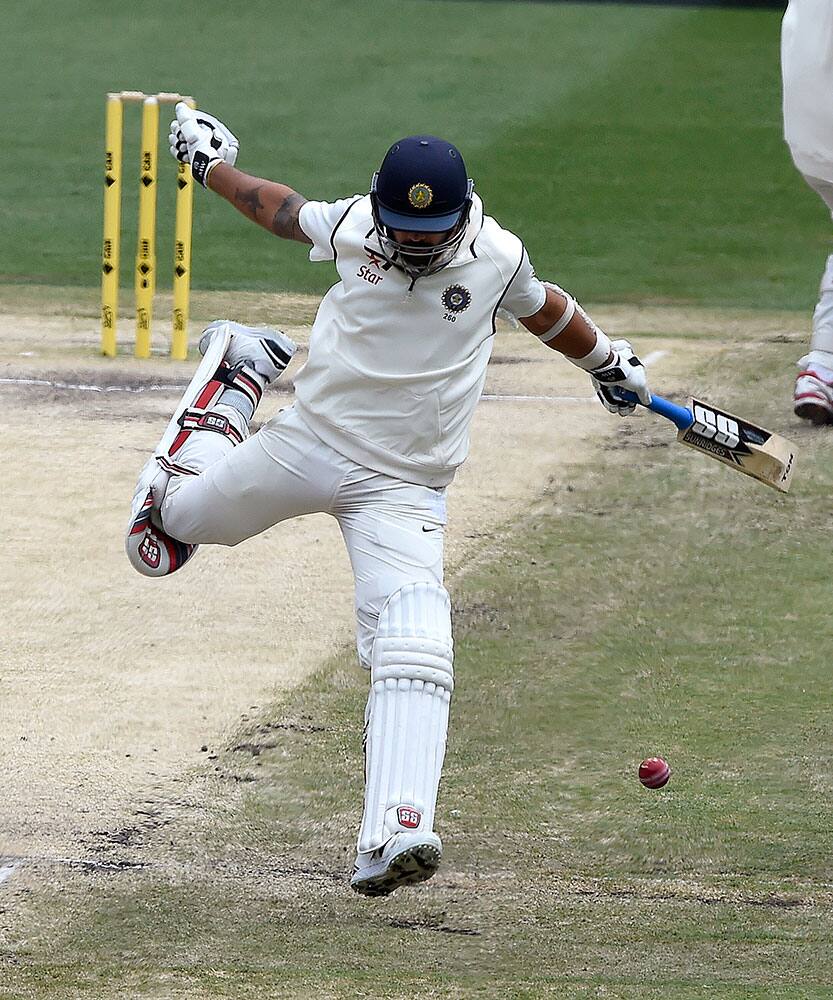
{"points": [[407, 858], [262, 349], [813, 395]]}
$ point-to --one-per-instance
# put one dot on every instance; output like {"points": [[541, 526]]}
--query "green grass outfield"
{"points": [[658, 603], [661, 604], [637, 150]]}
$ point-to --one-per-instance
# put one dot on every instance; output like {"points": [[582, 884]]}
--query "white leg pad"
{"points": [[196, 387], [406, 722], [198, 400], [151, 551]]}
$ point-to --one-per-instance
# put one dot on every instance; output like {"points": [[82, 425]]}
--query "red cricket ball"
{"points": [[654, 772]]}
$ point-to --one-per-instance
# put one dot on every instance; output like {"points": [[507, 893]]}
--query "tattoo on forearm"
{"points": [[285, 222], [249, 200]]}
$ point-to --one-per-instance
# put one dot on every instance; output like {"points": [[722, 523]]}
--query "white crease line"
{"points": [[46, 383], [541, 399], [92, 388], [649, 359], [6, 870]]}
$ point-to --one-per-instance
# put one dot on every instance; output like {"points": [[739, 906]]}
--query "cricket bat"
{"points": [[736, 442]]}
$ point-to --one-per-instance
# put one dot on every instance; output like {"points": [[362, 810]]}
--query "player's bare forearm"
{"points": [[271, 205], [576, 340]]}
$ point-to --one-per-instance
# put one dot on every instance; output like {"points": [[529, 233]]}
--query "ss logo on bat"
{"points": [[715, 426]]}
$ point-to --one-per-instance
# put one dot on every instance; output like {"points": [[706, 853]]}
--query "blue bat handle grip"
{"points": [[679, 415]]}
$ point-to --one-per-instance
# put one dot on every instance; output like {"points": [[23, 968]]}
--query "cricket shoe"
{"points": [[407, 858], [260, 349], [813, 396]]}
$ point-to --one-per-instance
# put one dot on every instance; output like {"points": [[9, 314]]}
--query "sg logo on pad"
{"points": [[409, 817]]}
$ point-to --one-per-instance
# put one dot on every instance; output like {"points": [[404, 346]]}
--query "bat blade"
{"points": [[742, 445]]}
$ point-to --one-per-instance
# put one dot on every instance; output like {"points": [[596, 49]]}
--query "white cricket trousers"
{"points": [[393, 530], [822, 338]]}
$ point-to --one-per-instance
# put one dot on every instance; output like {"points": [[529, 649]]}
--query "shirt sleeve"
{"points": [[319, 219], [525, 294]]}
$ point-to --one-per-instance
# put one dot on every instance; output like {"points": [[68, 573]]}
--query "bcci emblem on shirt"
{"points": [[456, 298]]}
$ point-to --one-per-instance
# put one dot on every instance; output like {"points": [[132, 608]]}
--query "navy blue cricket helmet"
{"points": [[422, 186]]}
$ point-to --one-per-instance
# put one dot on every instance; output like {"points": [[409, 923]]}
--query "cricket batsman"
{"points": [[807, 70], [379, 425]]}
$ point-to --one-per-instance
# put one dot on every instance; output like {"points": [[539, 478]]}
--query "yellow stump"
{"points": [[146, 248], [182, 259], [112, 225], [145, 276]]}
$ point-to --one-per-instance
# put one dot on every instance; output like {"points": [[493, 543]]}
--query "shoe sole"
{"points": [[814, 412], [415, 864]]}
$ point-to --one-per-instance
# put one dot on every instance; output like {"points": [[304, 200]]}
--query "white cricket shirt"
{"points": [[807, 70], [395, 368]]}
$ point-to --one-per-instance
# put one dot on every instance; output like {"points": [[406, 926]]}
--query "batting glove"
{"points": [[201, 140], [625, 371]]}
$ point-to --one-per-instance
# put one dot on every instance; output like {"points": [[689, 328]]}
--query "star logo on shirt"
{"points": [[377, 260]]}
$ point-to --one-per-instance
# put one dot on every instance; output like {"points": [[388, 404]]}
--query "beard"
{"points": [[421, 258]]}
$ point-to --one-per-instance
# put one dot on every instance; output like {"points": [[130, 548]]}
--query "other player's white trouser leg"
{"points": [[406, 729], [813, 394], [821, 343], [822, 339]]}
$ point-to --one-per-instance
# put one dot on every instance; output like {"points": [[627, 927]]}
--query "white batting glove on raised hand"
{"points": [[201, 140], [624, 371]]}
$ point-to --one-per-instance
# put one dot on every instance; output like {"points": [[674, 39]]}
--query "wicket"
{"points": [[145, 277]]}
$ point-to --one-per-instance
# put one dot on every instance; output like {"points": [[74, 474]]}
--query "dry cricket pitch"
{"points": [[115, 687]]}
